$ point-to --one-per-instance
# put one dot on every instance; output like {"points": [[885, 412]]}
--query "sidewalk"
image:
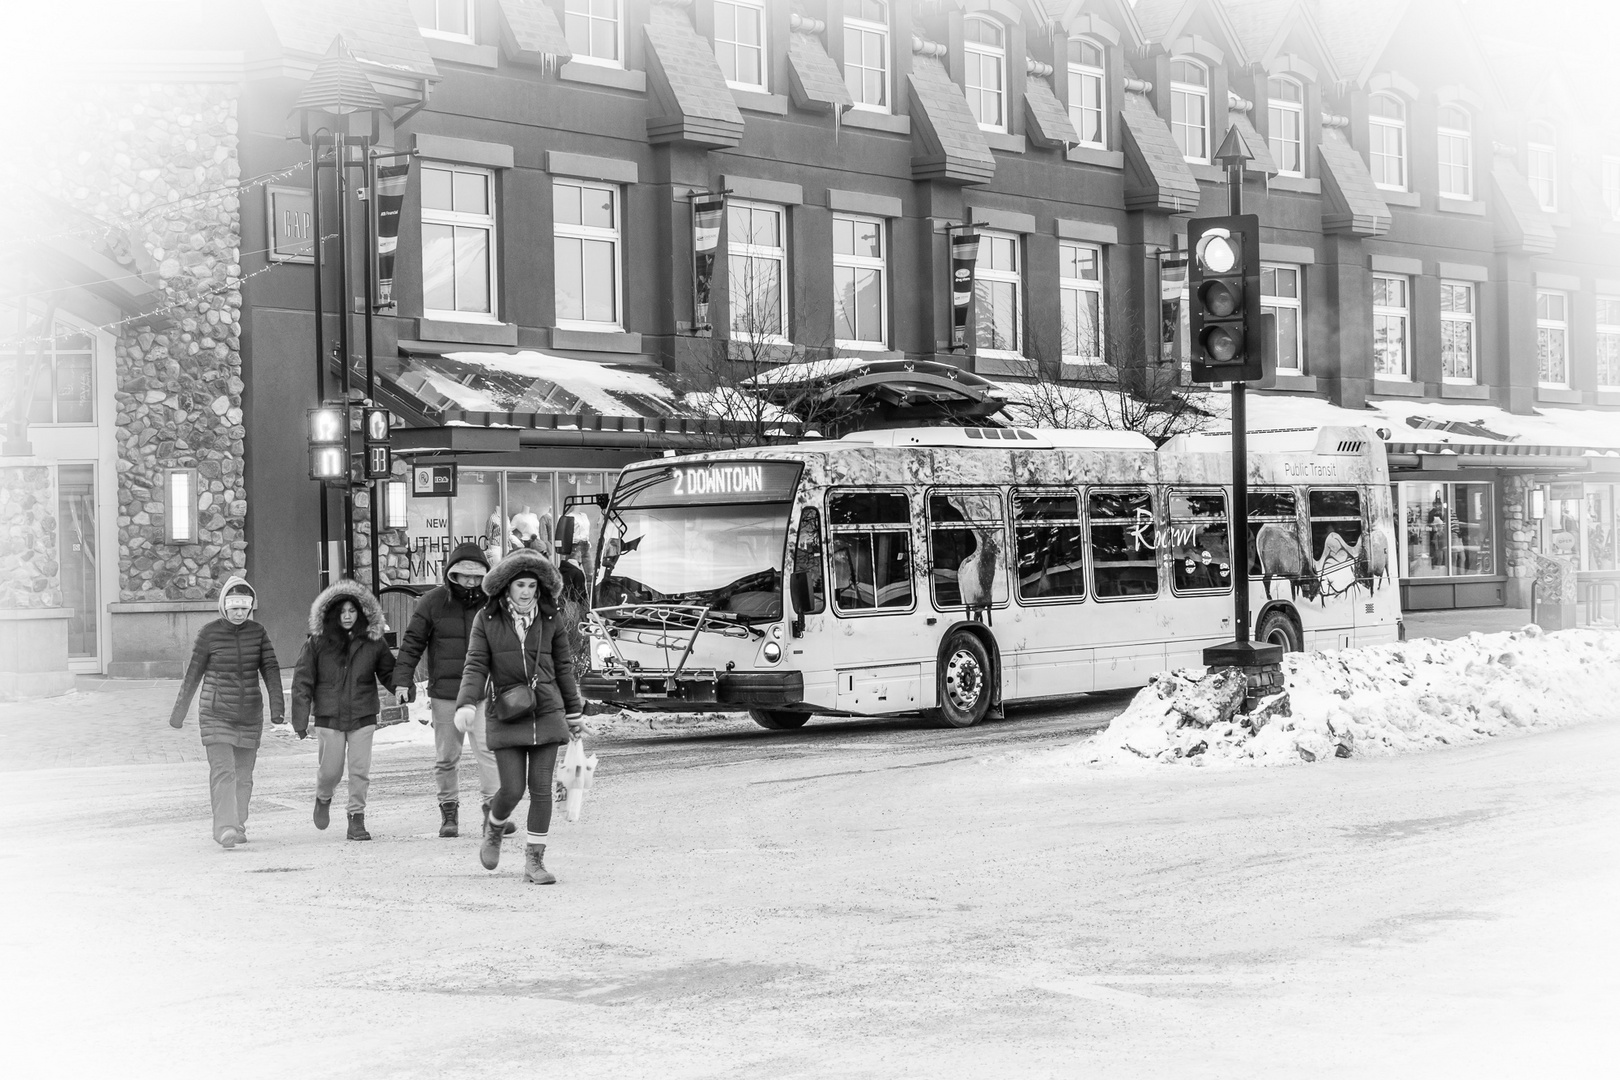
{"points": [[1447, 625]]}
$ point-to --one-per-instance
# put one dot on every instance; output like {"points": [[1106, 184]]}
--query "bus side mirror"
{"points": [[565, 536], [799, 591]]}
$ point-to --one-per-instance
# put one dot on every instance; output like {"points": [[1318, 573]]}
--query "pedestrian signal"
{"points": [[329, 444]]}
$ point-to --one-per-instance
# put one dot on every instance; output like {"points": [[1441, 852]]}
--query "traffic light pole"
{"points": [[369, 194], [345, 306], [1240, 458], [320, 328]]}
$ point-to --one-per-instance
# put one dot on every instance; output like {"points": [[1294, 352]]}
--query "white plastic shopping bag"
{"points": [[575, 772]]}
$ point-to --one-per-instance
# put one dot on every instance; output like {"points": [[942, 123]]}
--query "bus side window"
{"points": [[1051, 546], [1200, 548], [1335, 523], [1274, 513], [807, 559], [965, 532], [1124, 544], [871, 550]]}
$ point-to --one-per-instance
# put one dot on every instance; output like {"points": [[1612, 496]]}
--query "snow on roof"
{"points": [[607, 389], [1597, 429]]}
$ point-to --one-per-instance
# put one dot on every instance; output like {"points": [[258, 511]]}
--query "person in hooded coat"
{"points": [[231, 655], [439, 629], [517, 639], [342, 663]]}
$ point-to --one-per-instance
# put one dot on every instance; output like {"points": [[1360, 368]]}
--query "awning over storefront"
{"points": [[552, 400]]}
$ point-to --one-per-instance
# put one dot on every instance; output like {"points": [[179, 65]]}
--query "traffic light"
{"points": [[379, 461], [329, 444], [1224, 319]]}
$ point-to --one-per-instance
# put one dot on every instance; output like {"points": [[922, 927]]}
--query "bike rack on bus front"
{"points": [[685, 620]]}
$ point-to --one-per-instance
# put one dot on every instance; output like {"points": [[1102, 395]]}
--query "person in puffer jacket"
{"points": [[231, 655], [342, 663], [518, 640], [439, 629]]}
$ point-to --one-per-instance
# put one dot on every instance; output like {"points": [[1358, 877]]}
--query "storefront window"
{"points": [[531, 510], [1448, 530], [1560, 532], [1600, 523]]}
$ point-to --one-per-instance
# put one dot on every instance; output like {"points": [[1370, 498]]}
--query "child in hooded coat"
{"points": [[343, 662], [231, 655]]}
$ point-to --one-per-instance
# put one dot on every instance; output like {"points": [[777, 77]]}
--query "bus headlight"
{"points": [[776, 632], [772, 652]]}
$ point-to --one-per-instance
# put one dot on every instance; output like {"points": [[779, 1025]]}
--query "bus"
{"points": [[954, 571]]}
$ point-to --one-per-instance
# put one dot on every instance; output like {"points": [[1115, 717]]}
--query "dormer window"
{"points": [[1541, 165], [984, 71], [866, 53], [1386, 141], [1189, 109], [595, 30], [450, 19], [1087, 93], [1454, 129], [739, 43], [1285, 126]]}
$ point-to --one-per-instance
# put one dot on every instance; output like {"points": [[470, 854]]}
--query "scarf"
{"points": [[523, 618]]}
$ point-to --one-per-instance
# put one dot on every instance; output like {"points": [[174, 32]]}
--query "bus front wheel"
{"points": [[778, 719], [964, 681], [1278, 629]]}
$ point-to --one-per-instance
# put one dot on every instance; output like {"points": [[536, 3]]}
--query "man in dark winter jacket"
{"points": [[231, 655], [439, 630]]}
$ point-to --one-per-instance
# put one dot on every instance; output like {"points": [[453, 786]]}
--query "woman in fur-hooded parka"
{"points": [[339, 670]]}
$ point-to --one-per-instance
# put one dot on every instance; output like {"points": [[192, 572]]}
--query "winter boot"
{"points": [[489, 852], [511, 826], [449, 826], [229, 838], [323, 812], [357, 827], [534, 866]]}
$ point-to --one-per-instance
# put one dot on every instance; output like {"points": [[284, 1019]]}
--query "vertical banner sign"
{"points": [[964, 256], [708, 214], [391, 181], [1174, 345]]}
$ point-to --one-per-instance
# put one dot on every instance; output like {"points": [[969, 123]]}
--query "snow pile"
{"points": [[1389, 699]]}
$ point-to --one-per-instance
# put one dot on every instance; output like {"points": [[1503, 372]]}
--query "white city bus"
{"points": [[951, 571]]}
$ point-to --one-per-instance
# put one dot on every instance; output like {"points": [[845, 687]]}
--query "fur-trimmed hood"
{"points": [[521, 561], [376, 626]]}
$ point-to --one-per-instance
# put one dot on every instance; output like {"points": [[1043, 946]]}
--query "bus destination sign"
{"points": [[708, 482]]}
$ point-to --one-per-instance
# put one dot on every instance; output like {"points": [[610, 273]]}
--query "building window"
{"points": [[180, 506], [1447, 530], [1189, 109], [1286, 125], [997, 300], [756, 265], [1457, 338], [595, 31], [860, 307], [1080, 292], [586, 243], [57, 378], [1455, 131], [1542, 166], [1608, 341], [1386, 141], [1611, 185], [739, 42], [866, 53], [1552, 338], [458, 242], [451, 19], [1087, 96], [1281, 295], [984, 62], [1391, 323]]}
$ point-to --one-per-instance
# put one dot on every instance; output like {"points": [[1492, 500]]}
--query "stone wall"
{"points": [[29, 574], [1518, 538], [150, 173]]}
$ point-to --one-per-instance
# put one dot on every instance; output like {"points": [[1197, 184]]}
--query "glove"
{"points": [[575, 722], [406, 693], [303, 732], [464, 718], [278, 720], [177, 722]]}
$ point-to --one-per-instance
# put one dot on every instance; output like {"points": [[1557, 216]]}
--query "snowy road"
{"points": [[849, 900]]}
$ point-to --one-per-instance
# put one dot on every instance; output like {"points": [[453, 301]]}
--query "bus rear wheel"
{"points": [[1278, 629], [964, 681], [778, 719]]}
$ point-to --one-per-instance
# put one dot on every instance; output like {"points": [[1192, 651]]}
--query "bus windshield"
{"points": [[726, 557]]}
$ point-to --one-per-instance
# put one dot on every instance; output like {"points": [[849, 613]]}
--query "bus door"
{"points": [[877, 651], [1337, 529]]}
